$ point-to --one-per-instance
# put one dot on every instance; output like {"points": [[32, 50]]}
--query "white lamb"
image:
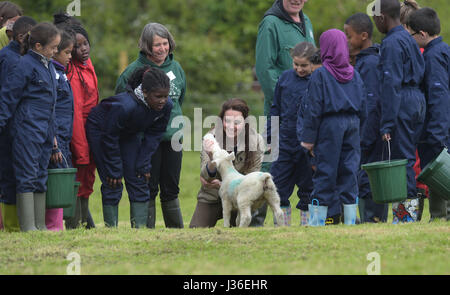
{"points": [[245, 193]]}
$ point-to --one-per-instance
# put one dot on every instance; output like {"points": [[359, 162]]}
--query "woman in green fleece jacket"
{"points": [[156, 50]]}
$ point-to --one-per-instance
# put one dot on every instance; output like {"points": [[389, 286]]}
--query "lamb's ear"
{"points": [[231, 156], [214, 162]]}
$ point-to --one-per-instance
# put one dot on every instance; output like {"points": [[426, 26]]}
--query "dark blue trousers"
{"points": [[166, 171], [137, 188], [293, 168], [31, 157], [373, 149], [406, 134], [337, 157], [7, 176]]}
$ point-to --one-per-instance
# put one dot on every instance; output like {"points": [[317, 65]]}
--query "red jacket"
{"points": [[85, 95], [417, 169]]}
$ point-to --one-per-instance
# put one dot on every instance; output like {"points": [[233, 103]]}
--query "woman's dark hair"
{"points": [[425, 19], [67, 38], [22, 26], [150, 78], [42, 33], [237, 104], [8, 10]]}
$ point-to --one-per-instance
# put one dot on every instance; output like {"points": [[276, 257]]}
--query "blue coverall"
{"points": [[9, 57], [402, 69], [29, 98], [331, 121], [114, 131], [64, 117], [436, 131], [371, 143], [292, 166]]}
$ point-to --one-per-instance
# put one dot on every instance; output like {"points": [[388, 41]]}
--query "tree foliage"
{"points": [[215, 39]]}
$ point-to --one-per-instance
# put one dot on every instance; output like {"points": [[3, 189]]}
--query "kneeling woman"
{"points": [[123, 132], [233, 133]]}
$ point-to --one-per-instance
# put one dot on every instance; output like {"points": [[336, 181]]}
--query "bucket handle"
{"points": [[65, 160], [389, 151]]}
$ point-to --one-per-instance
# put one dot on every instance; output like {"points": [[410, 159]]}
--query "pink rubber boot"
{"points": [[54, 219]]}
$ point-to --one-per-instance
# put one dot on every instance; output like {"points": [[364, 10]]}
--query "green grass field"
{"points": [[422, 248]]}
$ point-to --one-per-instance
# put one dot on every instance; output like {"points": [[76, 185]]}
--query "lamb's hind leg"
{"points": [[273, 199], [245, 213]]}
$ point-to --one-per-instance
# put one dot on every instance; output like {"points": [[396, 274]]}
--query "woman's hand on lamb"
{"points": [[213, 184]]}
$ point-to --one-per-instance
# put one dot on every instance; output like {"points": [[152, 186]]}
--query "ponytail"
{"points": [[406, 8], [26, 44], [136, 78], [316, 58]]}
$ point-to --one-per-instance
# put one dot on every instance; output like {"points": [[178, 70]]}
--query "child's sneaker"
{"points": [[406, 211]]}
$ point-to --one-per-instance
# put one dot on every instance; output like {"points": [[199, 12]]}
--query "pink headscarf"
{"points": [[335, 55]]}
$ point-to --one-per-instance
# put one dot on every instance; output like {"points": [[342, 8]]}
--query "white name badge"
{"points": [[171, 75]]}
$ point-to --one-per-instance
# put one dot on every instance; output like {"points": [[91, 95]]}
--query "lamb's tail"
{"points": [[268, 182], [272, 197]]}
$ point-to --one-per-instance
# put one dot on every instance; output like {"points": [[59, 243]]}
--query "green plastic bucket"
{"points": [[69, 212], [437, 175], [387, 180], [60, 187]]}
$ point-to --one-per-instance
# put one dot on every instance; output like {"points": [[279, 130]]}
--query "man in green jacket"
{"points": [[156, 50], [284, 25]]}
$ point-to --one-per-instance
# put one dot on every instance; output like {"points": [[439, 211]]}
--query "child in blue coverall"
{"points": [[61, 155], [359, 29], [9, 57], [123, 132], [424, 26], [28, 99], [334, 109], [402, 69], [292, 166]]}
